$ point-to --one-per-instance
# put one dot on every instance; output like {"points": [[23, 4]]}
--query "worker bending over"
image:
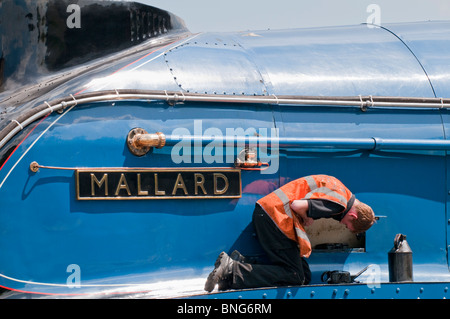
{"points": [[279, 220]]}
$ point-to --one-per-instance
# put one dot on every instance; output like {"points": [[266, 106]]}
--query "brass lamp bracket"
{"points": [[140, 142]]}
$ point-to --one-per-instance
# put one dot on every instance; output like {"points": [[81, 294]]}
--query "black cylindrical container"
{"points": [[400, 260]]}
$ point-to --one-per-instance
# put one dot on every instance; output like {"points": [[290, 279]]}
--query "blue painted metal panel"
{"points": [[424, 40], [377, 177], [116, 238], [134, 241]]}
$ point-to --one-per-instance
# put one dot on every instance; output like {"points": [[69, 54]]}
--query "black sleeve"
{"points": [[318, 208]]}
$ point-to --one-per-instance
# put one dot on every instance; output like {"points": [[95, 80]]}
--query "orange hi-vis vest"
{"points": [[277, 204]]}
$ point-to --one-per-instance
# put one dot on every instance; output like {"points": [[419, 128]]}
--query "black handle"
{"points": [[399, 238]]}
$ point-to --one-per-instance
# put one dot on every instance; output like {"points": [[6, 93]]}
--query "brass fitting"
{"points": [[140, 142]]}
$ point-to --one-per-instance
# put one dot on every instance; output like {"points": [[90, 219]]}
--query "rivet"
{"points": [[421, 290], [264, 295], [373, 290], [397, 290], [289, 294], [346, 292], [34, 167], [313, 293], [335, 292], [445, 289]]}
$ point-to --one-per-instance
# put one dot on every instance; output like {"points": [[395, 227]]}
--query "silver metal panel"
{"points": [[336, 61]]}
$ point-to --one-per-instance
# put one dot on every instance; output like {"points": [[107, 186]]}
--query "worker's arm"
{"points": [[300, 207]]}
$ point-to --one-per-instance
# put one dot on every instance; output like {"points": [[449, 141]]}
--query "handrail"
{"points": [[369, 143], [173, 97], [159, 140]]}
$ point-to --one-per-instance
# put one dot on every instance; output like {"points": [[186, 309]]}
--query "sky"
{"points": [[244, 15]]}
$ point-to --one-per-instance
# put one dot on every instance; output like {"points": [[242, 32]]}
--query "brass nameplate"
{"points": [[119, 184]]}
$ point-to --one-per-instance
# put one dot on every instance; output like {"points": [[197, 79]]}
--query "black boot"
{"points": [[236, 255], [222, 273]]}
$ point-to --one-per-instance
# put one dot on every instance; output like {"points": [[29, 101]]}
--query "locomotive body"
{"points": [[127, 172]]}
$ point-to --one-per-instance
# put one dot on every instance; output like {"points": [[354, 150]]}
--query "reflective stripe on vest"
{"points": [[302, 234], [304, 243], [323, 190], [326, 191], [285, 200], [310, 181]]}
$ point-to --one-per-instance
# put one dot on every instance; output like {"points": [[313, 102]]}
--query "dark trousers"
{"points": [[287, 266]]}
